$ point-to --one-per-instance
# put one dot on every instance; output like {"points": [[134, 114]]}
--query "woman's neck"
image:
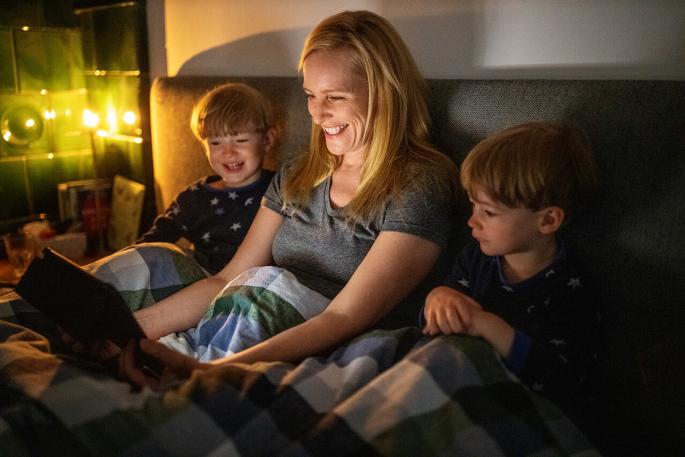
{"points": [[345, 181], [521, 266]]}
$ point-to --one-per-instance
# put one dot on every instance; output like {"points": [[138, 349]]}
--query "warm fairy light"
{"points": [[6, 135], [90, 119], [137, 140], [25, 28], [102, 133], [49, 114], [67, 112], [129, 117], [30, 122], [112, 119], [51, 156]]}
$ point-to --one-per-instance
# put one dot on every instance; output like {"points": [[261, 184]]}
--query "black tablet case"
{"points": [[84, 306]]}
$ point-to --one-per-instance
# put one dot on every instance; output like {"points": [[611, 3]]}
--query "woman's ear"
{"points": [[551, 219]]}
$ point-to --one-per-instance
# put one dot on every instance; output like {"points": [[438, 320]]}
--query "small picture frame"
{"points": [[127, 208], [87, 204]]}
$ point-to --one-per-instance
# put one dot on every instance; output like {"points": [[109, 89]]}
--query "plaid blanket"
{"points": [[382, 393]]}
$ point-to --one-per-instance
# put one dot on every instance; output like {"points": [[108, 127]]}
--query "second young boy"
{"points": [[235, 124], [516, 285]]}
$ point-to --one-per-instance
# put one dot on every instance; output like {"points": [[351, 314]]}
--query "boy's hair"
{"points": [[398, 123], [533, 165], [229, 108]]}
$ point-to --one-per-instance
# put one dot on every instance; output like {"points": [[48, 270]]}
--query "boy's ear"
{"points": [[269, 139], [551, 220]]}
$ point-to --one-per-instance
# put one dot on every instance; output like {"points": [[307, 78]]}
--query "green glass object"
{"points": [[66, 113], [49, 59], [21, 125], [113, 38]]}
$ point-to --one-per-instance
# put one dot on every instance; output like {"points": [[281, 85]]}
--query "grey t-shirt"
{"points": [[318, 246]]}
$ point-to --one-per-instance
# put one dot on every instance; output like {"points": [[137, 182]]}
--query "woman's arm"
{"points": [[393, 267], [185, 308]]}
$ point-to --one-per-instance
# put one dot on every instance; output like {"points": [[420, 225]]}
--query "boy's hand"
{"points": [[450, 311]]}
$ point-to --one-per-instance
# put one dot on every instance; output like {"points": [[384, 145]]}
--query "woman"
{"points": [[362, 218]]}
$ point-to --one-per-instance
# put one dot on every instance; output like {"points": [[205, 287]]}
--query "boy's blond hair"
{"points": [[533, 165], [228, 109]]}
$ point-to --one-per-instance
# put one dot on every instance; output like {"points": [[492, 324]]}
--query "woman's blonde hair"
{"points": [[229, 108], [533, 165], [398, 149]]}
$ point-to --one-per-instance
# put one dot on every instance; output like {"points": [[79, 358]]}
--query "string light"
{"points": [[90, 119], [129, 117]]}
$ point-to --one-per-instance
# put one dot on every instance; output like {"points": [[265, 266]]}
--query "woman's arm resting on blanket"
{"points": [[185, 308], [394, 266]]}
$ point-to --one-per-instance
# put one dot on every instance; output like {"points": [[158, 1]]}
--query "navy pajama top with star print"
{"points": [[554, 317], [214, 220]]}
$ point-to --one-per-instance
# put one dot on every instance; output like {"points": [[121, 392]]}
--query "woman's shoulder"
{"points": [[434, 179]]}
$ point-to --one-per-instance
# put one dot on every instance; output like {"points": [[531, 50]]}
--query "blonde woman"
{"points": [[362, 218]]}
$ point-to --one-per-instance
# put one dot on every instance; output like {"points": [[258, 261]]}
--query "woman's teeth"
{"points": [[334, 130]]}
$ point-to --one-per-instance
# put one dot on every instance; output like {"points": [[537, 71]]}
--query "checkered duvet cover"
{"points": [[385, 392]]}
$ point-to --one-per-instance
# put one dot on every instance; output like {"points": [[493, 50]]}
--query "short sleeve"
{"points": [[421, 212], [273, 198]]}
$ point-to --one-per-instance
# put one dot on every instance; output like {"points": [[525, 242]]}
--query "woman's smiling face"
{"points": [[337, 99]]}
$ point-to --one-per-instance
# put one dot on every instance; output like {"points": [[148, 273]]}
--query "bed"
{"points": [[387, 392]]}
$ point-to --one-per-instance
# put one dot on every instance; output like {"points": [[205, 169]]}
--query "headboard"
{"points": [[633, 236]]}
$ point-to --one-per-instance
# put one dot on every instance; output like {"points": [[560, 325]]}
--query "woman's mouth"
{"points": [[334, 130]]}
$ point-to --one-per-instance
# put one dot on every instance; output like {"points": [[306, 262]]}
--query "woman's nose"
{"points": [[318, 111]]}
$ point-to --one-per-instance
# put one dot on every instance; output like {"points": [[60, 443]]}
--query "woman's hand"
{"points": [[176, 364], [450, 311], [100, 350]]}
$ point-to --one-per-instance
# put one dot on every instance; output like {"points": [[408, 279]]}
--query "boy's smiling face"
{"points": [[238, 158], [501, 230]]}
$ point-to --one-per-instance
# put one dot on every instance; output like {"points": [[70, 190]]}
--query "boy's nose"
{"points": [[472, 221], [227, 149]]}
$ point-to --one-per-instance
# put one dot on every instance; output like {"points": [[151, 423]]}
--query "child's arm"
{"points": [[164, 228], [180, 217]]}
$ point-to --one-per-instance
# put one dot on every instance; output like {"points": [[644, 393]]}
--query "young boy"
{"points": [[516, 286], [235, 124]]}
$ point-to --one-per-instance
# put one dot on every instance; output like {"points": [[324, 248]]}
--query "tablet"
{"points": [[84, 306]]}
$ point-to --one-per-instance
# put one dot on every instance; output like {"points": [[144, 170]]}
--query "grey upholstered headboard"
{"points": [[633, 237]]}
